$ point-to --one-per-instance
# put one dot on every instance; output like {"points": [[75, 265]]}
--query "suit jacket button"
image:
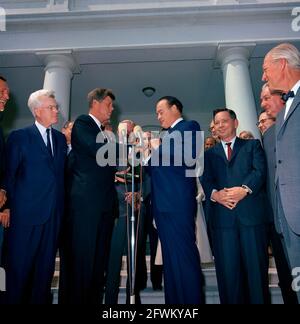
{"points": [[279, 161]]}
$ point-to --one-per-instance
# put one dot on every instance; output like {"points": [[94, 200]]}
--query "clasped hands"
{"points": [[229, 197]]}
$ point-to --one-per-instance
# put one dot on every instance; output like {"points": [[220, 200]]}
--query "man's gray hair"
{"points": [[34, 99], [286, 51]]}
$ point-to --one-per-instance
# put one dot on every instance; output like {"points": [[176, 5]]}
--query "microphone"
{"points": [[138, 133], [122, 133], [122, 129]]}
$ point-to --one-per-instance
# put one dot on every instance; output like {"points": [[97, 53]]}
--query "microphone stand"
{"points": [[131, 235]]}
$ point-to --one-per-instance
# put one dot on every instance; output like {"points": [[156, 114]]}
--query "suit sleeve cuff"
{"points": [[248, 189], [214, 190]]}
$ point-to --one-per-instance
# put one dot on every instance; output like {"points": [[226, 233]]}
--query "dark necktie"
{"points": [[102, 127], [49, 147], [285, 96], [229, 151]]}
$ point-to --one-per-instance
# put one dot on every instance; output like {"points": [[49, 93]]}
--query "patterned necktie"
{"points": [[49, 147], [229, 151]]}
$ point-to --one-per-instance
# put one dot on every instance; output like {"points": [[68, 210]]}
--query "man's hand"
{"points": [[3, 198], [155, 142], [229, 197], [5, 218], [137, 199], [236, 194], [222, 198]]}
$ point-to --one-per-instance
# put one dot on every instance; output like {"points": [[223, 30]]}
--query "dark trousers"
{"points": [[282, 266], [84, 257], [183, 279], [241, 260], [156, 271], [30, 262], [119, 247], [290, 243]]}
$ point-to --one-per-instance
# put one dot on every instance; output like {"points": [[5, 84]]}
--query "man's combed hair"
{"points": [[286, 51], [232, 114], [172, 101], [99, 94], [2, 78], [34, 99]]}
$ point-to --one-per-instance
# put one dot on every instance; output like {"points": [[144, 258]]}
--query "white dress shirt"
{"points": [[176, 122], [225, 146], [99, 125], [289, 102], [43, 131]]}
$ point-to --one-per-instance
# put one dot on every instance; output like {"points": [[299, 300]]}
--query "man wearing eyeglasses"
{"points": [[34, 181], [265, 122]]}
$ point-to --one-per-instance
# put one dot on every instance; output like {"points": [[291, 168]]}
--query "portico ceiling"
{"points": [[172, 48]]}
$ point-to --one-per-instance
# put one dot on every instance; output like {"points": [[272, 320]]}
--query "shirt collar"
{"points": [[42, 129], [232, 142], [295, 87], [96, 121], [176, 122]]}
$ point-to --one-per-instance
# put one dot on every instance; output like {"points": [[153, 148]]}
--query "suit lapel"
{"points": [[281, 122], [220, 151], [39, 139], [176, 127], [40, 142], [54, 142], [236, 148]]}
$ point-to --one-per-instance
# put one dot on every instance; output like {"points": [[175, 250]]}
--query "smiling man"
{"points": [[4, 97], [174, 203], [233, 179]]}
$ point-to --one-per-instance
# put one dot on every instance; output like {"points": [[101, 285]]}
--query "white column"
{"points": [[238, 89], [58, 75]]}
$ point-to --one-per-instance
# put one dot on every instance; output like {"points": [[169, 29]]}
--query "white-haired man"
{"points": [[34, 182], [281, 69]]}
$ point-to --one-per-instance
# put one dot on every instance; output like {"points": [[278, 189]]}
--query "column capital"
{"points": [[227, 53], [59, 59]]}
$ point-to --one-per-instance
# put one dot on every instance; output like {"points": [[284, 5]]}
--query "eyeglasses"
{"points": [[52, 107], [262, 121]]}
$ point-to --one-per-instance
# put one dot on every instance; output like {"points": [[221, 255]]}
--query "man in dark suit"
{"points": [[34, 180], [174, 203], [90, 203], [233, 180], [272, 104], [4, 97], [281, 69]]}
